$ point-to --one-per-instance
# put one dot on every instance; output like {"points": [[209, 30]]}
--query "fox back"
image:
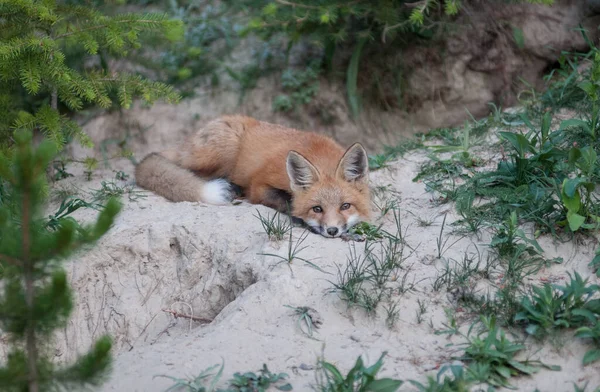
{"points": [[304, 173]]}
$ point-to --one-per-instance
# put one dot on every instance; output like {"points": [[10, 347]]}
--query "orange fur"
{"points": [[252, 155]]}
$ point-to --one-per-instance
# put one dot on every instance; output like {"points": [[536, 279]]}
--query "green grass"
{"points": [[492, 358], [207, 381], [276, 227], [370, 275], [360, 378], [548, 172]]}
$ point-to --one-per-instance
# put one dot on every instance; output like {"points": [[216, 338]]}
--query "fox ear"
{"points": [[301, 172], [354, 165]]}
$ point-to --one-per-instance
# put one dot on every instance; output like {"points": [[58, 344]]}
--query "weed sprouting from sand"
{"points": [[353, 279], [421, 310], [293, 250], [276, 227], [366, 278], [250, 381], [358, 379], [551, 308], [392, 314], [492, 358], [308, 319], [367, 231], [457, 381], [207, 381], [110, 189], [442, 244]]}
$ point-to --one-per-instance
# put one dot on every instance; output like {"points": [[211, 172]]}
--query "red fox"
{"points": [[324, 185]]}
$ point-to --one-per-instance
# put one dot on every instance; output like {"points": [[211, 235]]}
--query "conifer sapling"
{"points": [[35, 297]]}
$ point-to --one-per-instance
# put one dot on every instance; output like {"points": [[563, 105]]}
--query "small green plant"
{"points": [[353, 281], [595, 263], [577, 198], [553, 307], [368, 231], [593, 333], [591, 88], [392, 314], [442, 246], [364, 280], [307, 317], [110, 189], [198, 383], [69, 205], [490, 356], [207, 381], [378, 161], [461, 151], [457, 382], [252, 382], [510, 240], [275, 226], [358, 379], [451, 326], [293, 250], [577, 388], [421, 310], [60, 170], [458, 275], [300, 87]]}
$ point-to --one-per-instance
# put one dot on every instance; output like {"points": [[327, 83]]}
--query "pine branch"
{"points": [[129, 21], [10, 260]]}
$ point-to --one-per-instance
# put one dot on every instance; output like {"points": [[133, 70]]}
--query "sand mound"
{"points": [[210, 263]]}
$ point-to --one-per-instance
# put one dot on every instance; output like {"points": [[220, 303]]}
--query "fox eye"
{"points": [[317, 209], [345, 206]]}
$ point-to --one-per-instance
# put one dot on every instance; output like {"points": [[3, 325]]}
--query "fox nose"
{"points": [[332, 231]]}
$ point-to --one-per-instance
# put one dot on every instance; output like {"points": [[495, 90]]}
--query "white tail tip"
{"points": [[217, 191]]}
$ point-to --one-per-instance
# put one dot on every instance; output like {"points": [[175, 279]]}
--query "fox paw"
{"points": [[353, 237]]}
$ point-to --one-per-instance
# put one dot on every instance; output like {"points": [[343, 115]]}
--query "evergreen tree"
{"points": [[35, 298], [35, 36]]}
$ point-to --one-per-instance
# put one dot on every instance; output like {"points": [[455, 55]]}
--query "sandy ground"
{"points": [[209, 262]]}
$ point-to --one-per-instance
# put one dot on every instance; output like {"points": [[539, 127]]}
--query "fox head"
{"points": [[331, 203]]}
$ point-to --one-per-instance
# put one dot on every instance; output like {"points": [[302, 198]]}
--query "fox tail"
{"points": [[165, 178]]}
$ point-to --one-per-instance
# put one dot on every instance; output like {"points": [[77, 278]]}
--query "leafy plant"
{"points": [[593, 333], [307, 317], [36, 299], [252, 382], [300, 86], [359, 379], [510, 240], [368, 231], [110, 189], [461, 151], [241, 382], [576, 196], [595, 263], [458, 382], [553, 307], [198, 383], [490, 356]]}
